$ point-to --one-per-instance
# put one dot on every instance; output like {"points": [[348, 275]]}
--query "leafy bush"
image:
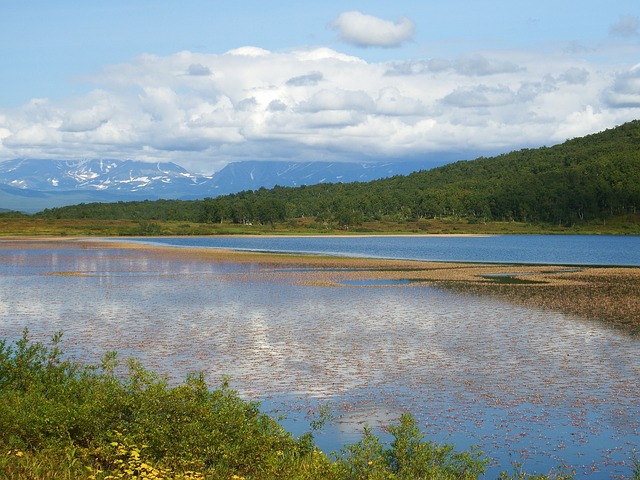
{"points": [[408, 457]]}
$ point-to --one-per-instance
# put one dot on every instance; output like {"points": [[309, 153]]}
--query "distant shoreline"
{"points": [[250, 235]]}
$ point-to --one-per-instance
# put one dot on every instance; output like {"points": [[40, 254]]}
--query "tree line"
{"points": [[580, 180]]}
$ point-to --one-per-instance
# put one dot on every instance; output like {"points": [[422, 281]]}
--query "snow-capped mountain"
{"points": [[31, 185], [118, 175], [251, 175]]}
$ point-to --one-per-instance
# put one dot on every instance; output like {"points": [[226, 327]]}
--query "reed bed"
{"points": [[611, 295]]}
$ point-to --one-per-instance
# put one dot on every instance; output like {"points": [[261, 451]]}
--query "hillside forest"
{"points": [[586, 179]]}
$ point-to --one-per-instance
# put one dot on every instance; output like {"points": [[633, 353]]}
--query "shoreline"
{"points": [[607, 293]]}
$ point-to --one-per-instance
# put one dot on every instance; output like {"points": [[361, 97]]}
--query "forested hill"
{"points": [[592, 177]]}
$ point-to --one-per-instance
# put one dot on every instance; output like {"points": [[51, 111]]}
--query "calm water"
{"points": [[525, 385], [544, 249]]}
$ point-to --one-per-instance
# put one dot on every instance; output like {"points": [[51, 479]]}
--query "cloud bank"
{"points": [[205, 110]]}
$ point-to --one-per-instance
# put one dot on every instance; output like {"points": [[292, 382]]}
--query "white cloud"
{"points": [[481, 96], [202, 110], [318, 54], [575, 76], [338, 100], [626, 26], [197, 69], [368, 31], [249, 51], [33, 136], [412, 67], [479, 65], [277, 106], [311, 78], [474, 65], [392, 102], [625, 91]]}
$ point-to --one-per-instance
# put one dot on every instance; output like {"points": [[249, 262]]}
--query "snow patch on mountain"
{"points": [[123, 180]]}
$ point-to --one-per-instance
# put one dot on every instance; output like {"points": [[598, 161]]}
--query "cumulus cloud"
{"points": [[392, 102], [480, 96], [625, 91], [627, 26], [249, 51], [202, 110], [277, 106], [312, 78], [481, 66], [247, 104], [197, 70], [475, 65], [575, 76], [368, 31], [85, 117], [408, 67], [338, 100]]}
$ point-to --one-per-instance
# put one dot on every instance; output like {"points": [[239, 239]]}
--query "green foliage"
{"points": [[322, 417], [563, 473], [4, 213], [409, 457], [50, 404], [636, 466], [60, 419]]}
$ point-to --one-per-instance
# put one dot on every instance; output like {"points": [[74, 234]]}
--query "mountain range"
{"points": [[31, 185]]}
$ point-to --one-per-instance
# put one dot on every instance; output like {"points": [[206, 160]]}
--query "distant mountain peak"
{"points": [[64, 182]]}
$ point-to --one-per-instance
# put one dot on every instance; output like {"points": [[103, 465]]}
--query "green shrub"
{"points": [[60, 419], [49, 403], [408, 457]]}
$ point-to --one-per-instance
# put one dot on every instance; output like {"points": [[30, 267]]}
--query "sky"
{"points": [[203, 82]]}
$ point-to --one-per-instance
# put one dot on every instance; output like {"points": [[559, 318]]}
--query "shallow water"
{"points": [[534, 249], [525, 385]]}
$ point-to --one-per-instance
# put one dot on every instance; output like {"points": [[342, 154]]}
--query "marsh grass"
{"points": [[607, 294], [13, 223]]}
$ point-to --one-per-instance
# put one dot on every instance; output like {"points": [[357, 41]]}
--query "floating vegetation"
{"points": [[377, 282], [511, 279]]}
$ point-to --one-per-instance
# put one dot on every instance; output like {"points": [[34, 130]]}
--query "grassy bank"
{"points": [[63, 419], [26, 225]]}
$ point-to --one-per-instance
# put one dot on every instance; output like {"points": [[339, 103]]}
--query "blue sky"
{"points": [[203, 83]]}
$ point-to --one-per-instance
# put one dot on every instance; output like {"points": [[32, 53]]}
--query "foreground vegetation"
{"points": [[63, 419]]}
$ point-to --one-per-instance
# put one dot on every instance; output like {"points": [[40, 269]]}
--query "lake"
{"points": [[532, 249], [524, 384]]}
